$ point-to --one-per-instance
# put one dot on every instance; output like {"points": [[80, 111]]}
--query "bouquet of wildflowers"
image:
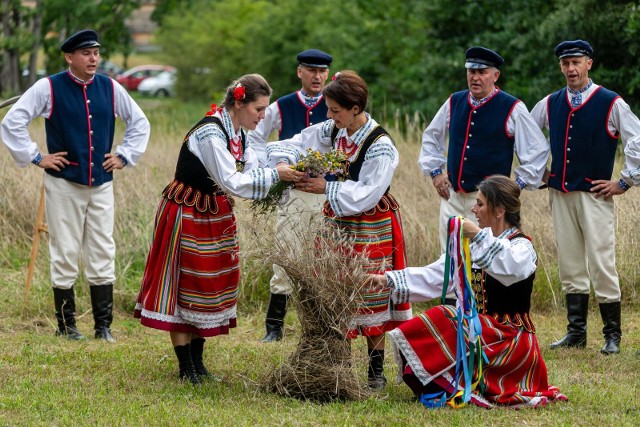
{"points": [[314, 164]]}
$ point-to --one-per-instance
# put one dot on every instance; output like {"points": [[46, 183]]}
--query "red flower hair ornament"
{"points": [[335, 76], [214, 109], [238, 92]]}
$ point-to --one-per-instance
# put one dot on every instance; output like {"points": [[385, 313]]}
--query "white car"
{"points": [[161, 85]]}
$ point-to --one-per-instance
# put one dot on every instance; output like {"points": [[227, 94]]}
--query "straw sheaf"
{"points": [[327, 280]]}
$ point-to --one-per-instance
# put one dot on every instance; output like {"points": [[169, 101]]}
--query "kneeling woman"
{"points": [[190, 282], [503, 272]]}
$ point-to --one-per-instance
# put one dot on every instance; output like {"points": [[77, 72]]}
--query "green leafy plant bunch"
{"points": [[331, 165]]}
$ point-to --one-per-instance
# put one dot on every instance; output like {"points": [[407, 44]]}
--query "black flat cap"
{"points": [[314, 58], [479, 57], [573, 48], [81, 39]]}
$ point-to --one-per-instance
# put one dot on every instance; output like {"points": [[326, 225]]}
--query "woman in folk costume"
{"points": [[360, 207], [190, 282], [504, 265]]}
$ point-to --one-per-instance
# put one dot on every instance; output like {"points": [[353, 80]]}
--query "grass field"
{"points": [[50, 381]]}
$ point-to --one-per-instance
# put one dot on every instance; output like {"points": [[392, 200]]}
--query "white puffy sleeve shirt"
{"points": [[508, 261], [345, 197], [36, 102], [209, 145]]}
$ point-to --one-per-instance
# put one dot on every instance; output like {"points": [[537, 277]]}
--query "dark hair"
{"points": [[501, 191], [254, 86], [348, 89]]}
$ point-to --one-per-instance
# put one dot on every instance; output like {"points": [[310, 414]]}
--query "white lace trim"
{"points": [[375, 319], [396, 356], [401, 315], [402, 345], [197, 319]]}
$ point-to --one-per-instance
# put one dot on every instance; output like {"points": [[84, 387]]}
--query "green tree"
{"points": [[62, 18], [410, 52], [208, 45], [16, 38]]}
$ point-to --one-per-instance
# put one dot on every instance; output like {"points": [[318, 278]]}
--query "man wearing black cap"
{"points": [[289, 115], [585, 121], [485, 125], [80, 108]]}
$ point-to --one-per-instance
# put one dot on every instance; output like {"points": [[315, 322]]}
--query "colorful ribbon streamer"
{"points": [[469, 354]]}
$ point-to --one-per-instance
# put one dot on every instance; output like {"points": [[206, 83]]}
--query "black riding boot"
{"points": [[197, 348], [577, 310], [375, 375], [275, 317], [102, 305], [610, 313], [65, 304], [187, 369]]}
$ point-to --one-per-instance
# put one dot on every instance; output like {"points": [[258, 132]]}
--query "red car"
{"points": [[131, 78]]}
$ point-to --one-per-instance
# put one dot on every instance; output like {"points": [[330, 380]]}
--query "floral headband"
{"points": [[336, 76], [238, 92]]}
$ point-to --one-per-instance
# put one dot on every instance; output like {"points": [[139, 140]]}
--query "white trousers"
{"points": [[80, 220], [585, 234], [301, 213], [458, 204]]}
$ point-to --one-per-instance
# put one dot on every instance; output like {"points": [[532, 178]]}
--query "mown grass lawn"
{"points": [[46, 380]]}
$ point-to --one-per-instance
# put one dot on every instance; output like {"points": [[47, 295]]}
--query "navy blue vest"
{"points": [[478, 142], [295, 115], [582, 150], [82, 123]]}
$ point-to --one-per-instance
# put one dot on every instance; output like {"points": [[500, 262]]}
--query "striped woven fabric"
{"points": [[379, 236], [190, 283], [515, 375]]}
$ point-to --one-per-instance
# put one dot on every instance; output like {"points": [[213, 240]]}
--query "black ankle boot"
{"points": [[577, 311], [65, 305], [102, 305], [197, 348], [610, 313], [187, 369], [375, 375], [275, 317]]}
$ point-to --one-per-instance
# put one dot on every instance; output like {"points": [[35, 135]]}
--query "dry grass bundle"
{"points": [[326, 293]]}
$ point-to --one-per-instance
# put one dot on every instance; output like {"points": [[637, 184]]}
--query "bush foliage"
{"points": [[411, 52]]}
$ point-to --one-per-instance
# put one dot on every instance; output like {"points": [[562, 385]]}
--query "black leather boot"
{"points": [[577, 310], [275, 317], [102, 305], [375, 375], [197, 348], [65, 304], [187, 369], [610, 313]]}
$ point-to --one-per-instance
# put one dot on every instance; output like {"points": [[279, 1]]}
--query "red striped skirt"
{"points": [[190, 281], [516, 375], [378, 235]]}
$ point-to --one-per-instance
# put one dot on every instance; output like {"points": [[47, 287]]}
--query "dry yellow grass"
{"points": [[138, 189]]}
